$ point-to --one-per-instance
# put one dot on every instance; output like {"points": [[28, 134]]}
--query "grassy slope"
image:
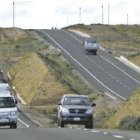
{"points": [[130, 109], [120, 39], [34, 82]]}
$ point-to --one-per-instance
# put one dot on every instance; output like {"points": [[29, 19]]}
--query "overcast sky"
{"points": [[60, 13]]}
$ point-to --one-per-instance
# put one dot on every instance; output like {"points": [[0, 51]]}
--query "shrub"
{"points": [[130, 123]]}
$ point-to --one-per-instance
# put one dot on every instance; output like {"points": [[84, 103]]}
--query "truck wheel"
{"points": [[89, 125], [95, 52], [61, 123], [13, 126]]}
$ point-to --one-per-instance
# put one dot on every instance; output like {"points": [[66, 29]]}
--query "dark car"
{"points": [[75, 109]]}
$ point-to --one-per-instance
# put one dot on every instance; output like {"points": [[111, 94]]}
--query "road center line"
{"points": [[120, 70], [23, 123], [117, 136], [83, 66], [106, 59]]}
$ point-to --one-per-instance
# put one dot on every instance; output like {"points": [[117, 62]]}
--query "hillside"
{"points": [[15, 43], [128, 112], [34, 81], [119, 39]]}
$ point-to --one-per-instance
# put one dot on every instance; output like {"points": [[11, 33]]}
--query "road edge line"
{"points": [[83, 66], [23, 123]]}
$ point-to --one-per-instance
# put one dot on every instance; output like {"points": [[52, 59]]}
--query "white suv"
{"points": [[8, 111]]}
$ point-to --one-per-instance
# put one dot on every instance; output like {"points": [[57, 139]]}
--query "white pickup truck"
{"points": [[8, 111], [91, 45]]}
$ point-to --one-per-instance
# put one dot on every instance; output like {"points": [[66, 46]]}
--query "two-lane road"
{"points": [[103, 71]]}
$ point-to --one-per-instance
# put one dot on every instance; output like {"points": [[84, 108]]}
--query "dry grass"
{"points": [[34, 82], [11, 35], [135, 60], [130, 108]]}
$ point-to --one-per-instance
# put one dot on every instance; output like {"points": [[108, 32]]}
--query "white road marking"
{"points": [[23, 123], [83, 66], [109, 95], [117, 136], [132, 139], [95, 131], [85, 129], [105, 133], [106, 59], [120, 70]]}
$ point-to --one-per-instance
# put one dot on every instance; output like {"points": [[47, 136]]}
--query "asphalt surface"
{"points": [[23, 122], [66, 134], [103, 71]]}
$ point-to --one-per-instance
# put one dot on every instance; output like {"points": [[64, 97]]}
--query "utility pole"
{"points": [[127, 19], [13, 14], [79, 15], [67, 20], [102, 14], [108, 13]]}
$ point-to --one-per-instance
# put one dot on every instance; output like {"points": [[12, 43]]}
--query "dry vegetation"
{"points": [[131, 108], [35, 83]]}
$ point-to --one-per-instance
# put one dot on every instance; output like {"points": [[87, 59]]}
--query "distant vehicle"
{"points": [[91, 45], [75, 109], [4, 86], [8, 111], [5, 89]]}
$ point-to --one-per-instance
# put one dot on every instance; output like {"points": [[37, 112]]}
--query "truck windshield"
{"points": [[7, 102], [91, 41], [76, 101]]}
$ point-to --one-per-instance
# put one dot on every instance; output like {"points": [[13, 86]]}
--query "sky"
{"points": [[45, 14]]}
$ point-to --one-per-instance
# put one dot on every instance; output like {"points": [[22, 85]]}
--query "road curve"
{"points": [[103, 71]]}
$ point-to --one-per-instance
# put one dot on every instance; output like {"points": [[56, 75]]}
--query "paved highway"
{"points": [[103, 71], [66, 134]]}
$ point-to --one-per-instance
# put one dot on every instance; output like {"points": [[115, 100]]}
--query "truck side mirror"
{"points": [[59, 103], [16, 101]]}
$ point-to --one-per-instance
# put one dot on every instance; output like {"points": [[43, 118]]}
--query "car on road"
{"points": [[75, 109], [91, 46], [8, 111]]}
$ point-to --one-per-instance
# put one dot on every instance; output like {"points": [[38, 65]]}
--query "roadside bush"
{"points": [[130, 123], [17, 46]]}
